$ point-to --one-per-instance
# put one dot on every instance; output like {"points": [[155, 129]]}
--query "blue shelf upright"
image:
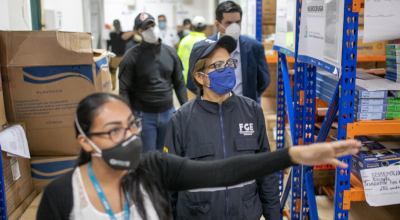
{"points": [[259, 20], [3, 202], [295, 109], [342, 101], [346, 90]]}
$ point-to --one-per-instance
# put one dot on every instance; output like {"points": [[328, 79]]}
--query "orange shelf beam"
{"points": [[360, 58], [386, 127]]}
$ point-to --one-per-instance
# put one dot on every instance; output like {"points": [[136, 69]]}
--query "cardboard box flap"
{"points": [[44, 48]]}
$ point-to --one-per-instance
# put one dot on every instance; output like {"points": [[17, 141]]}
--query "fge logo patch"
{"points": [[246, 129]]}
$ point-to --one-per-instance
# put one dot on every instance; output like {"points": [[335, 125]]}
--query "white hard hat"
{"points": [[198, 21]]}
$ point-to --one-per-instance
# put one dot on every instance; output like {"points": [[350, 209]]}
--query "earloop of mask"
{"points": [[90, 141], [205, 75]]}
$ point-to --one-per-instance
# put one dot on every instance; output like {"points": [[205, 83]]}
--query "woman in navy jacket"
{"points": [[218, 124]]}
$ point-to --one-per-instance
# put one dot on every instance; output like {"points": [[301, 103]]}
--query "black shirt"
{"points": [[117, 43], [175, 174], [148, 73]]}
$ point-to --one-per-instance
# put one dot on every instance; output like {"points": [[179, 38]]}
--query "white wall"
{"points": [[72, 13], [4, 19], [15, 15], [117, 9]]}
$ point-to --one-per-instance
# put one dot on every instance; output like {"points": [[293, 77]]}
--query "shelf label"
{"points": [[382, 185]]}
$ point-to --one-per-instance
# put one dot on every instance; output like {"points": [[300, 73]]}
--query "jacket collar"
{"points": [[213, 107], [147, 46], [197, 34]]}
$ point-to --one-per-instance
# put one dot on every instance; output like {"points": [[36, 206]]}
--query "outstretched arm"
{"points": [[183, 174]]}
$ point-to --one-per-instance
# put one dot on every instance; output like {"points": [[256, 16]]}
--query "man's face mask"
{"points": [[123, 156], [233, 30], [162, 24], [151, 35]]}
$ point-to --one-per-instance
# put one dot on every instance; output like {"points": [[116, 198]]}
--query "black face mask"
{"points": [[124, 156]]}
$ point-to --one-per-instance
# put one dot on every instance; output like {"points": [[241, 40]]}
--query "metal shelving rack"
{"points": [[300, 111]]}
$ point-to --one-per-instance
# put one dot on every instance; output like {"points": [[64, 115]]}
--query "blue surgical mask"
{"points": [[221, 82], [162, 24]]}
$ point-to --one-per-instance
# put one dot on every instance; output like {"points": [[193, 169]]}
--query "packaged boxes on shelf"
{"points": [[377, 108], [393, 62], [19, 211], [269, 11], [31, 211], [375, 48], [45, 75], [394, 93], [17, 179], [373, 155], [46, 169], [368, 105], [385, 101]]}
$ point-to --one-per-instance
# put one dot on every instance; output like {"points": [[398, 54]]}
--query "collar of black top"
{"points": [[205, 47], [142, 20]]}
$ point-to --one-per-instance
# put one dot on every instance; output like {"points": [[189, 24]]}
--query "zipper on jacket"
{"points": [[223, 146]]}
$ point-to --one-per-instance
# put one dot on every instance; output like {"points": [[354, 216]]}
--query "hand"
{"points": [[324, 153]]}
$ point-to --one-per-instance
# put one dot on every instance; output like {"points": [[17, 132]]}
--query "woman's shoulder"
{"points": [[245, 101], [63, 182], [185, 109]]}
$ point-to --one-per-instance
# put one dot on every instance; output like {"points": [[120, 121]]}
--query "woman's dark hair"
{"points": [[227, 7], [134, 180]]}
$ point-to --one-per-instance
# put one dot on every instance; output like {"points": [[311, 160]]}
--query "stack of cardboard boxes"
{"points": [[44, 76], [268, 24]]}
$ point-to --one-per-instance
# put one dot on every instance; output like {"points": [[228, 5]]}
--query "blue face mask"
{"points": [[162, 24], [222, 82]]}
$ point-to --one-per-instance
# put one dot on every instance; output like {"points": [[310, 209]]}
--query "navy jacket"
{"points": [[203, 131], [255, 72]]}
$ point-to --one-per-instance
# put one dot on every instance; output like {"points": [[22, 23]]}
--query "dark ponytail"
{"points": [[134, 180]]}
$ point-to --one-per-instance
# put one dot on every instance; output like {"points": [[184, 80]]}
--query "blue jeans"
{"points": [[154, 129]]}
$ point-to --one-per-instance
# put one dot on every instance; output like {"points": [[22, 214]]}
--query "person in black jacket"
{"points": [[218, 124], [112, 180], [187, 24], [148, 73]]}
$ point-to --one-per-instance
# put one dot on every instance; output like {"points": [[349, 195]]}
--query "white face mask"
{"points": [[151, 35], [233, 30]]}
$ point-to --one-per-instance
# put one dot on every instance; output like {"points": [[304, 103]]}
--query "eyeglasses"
{"points": [[118, 134], [221, 65]]}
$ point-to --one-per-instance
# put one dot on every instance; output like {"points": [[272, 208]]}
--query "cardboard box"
{"points": [[268, 11], [271, 90], [30, 213], [268, 104], [268, 29], [361, 16], [268, 48], [46, 169], [16, 190], [45, 75], [102, 71], [375, 48], [3, 119], [23, 206], [324, 177], [373, 155]]}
